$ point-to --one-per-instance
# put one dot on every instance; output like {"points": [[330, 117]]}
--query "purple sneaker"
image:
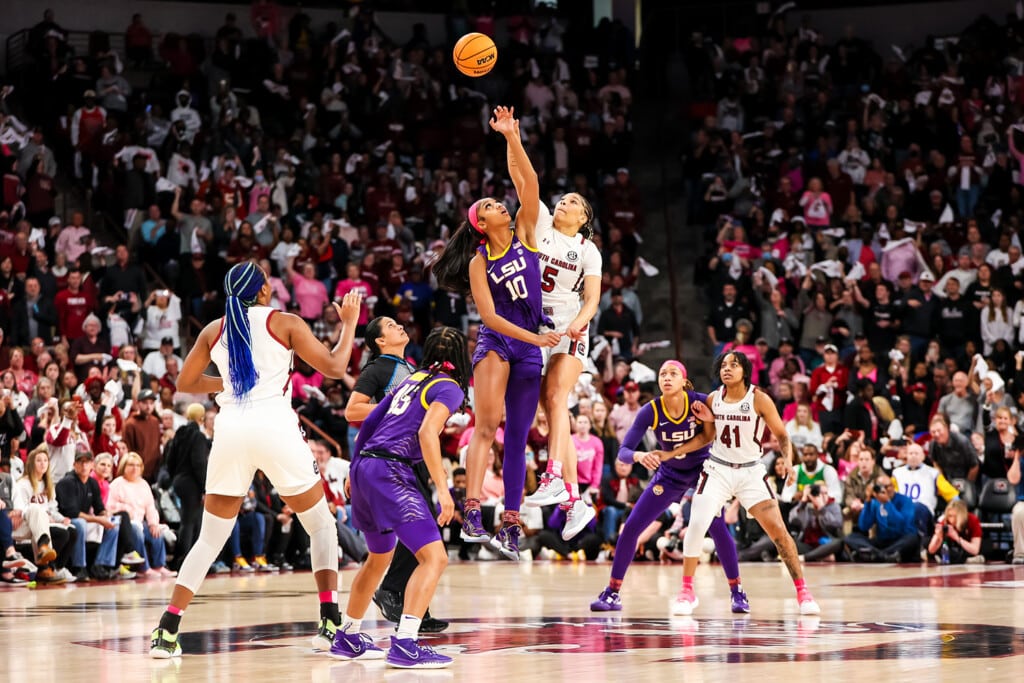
{"points": [[406, 653], [473, 528], [740, 605], [607, 601], [506, 541], [354, 646]]}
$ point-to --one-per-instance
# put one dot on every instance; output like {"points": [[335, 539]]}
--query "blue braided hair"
{"points": [[242, 283]]}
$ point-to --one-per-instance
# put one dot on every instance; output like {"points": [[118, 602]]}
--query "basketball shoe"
{"points": [[354, 646], [163, 644], [473, 528], [740, 604], [577, 517], [685, 603], [607, 601], [506, 541], [551, 491], [406, 653], [807, 604], [324, 638]]}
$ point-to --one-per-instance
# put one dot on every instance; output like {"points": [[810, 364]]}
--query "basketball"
{"points": [[475, 54]]}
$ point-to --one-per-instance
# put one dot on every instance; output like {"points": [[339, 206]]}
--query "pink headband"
{"points": [[472, 215], [682, 368]]}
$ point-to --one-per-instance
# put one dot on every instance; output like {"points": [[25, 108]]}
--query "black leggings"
{"points": [[191, 497]]}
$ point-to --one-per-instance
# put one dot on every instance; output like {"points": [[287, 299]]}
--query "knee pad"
{"points": [[212, 536], [323, 536]]}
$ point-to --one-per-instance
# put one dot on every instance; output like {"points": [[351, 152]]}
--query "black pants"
{"points": [[404, 563], [188, 491], [125, 535], [908, 546]]}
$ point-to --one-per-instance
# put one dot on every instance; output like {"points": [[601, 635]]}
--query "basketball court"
{"points": [[526, 621]]}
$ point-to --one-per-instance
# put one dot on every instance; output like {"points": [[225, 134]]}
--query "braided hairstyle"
{"points": [[242, 284], [587, 229], [445, 350]]}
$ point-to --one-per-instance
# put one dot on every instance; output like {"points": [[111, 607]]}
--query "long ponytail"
{"points": [[452, 268], [241, 285]]}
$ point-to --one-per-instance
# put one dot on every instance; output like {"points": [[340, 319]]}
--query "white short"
{"points": [[718, 484], [260, 437], [577, 349]]}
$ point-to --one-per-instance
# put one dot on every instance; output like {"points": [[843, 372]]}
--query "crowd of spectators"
{"points": [[863, 210], [334, 156]]}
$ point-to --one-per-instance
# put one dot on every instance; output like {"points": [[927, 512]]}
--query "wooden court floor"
{"points": [[531, 622]]}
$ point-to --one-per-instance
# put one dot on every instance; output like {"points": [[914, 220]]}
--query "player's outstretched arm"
{"points": [[523, 175], [299, 337], [192, 378]]}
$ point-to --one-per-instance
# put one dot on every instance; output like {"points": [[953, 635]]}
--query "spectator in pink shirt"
{"points": [[355, 282], [75, 239], [310, 293], [589, 454], [817, 204]]}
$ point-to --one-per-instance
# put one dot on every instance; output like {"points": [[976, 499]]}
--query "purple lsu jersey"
{"points": [[396, 430], [670, 432], [514, 280]]}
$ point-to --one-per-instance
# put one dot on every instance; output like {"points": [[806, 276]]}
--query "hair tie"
{"points": [[447, 366]]}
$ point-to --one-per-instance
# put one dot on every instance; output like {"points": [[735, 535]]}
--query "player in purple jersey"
{"points": [[502, 271], [387, 504], [674, 425]]}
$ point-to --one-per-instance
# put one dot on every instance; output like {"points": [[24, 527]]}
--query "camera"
{"points": [[877, 488], [815, 490]]}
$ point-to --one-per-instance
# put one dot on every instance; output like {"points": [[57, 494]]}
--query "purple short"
{"points": [[508, 349], [387, 505]]}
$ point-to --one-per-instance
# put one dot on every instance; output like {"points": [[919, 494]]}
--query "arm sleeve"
{"points": [[57, 435], [835, 487], [635, 434], [945, 489], [152, 515], [866, 519]]}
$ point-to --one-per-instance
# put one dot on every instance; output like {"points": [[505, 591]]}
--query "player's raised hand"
{"points": [[350, 306], [503, 121]]}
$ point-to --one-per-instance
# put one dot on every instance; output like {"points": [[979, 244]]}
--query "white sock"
{"points": [[351, 624], [409, 627]]}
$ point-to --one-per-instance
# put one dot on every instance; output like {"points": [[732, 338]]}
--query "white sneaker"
{"points": [[66, 575], [551, 491], [809, 607], [684, 604], [576, 519], [133, 558], [526, 555]]}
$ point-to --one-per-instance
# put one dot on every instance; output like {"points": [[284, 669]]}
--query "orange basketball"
{"points": [[475, 54]]}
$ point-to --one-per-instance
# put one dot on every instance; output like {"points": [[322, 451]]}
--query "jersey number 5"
{"points": [[547, 278], [731, 436]]}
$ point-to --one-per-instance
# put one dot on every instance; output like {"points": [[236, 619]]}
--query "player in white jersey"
{"points": [[256, 428], [570, 283], [738, 414]]}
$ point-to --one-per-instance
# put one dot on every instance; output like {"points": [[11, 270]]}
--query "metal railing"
{"points": [[306, 422]]}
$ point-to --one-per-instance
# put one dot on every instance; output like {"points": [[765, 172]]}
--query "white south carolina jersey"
{"points": [[739, 428], [564, 262], [270, 356]]}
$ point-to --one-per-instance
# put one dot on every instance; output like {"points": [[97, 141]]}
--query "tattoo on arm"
{"points": [[786, 447]]}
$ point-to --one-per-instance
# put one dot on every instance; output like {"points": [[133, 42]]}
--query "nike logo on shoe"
{"points": [[410, 655]]}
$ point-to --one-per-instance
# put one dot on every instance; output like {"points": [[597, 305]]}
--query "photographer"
{"points": [[957, 536], [891, 515], [817, 524]]}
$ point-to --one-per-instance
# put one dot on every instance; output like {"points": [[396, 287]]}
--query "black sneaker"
{"points": [[390, 604], [432, 625], [101, 573], [82, 575]]}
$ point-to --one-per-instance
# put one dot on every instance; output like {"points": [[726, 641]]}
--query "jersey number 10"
{"points": [[517, 288], [731, 436]]}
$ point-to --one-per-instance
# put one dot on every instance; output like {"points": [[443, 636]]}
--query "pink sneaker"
{"points": [[685, 602]]}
